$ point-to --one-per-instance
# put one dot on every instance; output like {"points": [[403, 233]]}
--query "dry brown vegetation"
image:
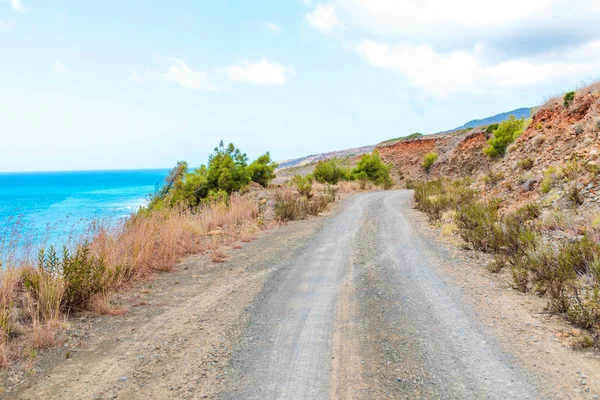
{"points": [[37, 294], [39, 291], [536, 209]]}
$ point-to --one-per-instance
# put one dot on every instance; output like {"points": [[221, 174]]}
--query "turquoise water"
{"points": [[54, 206]]}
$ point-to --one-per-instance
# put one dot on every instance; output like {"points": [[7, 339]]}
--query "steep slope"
{"points": [[559, 137]]}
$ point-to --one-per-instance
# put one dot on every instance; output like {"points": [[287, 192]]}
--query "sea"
{"points": [[52, 208]]}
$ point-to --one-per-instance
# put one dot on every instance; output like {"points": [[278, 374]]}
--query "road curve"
{"points": [[360, 312]]}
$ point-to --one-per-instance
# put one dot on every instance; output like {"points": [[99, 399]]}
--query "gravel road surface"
{"points": [[363, 291]]}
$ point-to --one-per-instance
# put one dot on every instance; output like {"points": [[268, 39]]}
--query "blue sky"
{"points": [[143, 84]]}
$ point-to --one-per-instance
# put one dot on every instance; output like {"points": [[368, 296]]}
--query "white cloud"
{"points": [[454, 22], [445, 48], [59, 68], [273, 27], [468, 72], [177, 72], [323, 18], [306, 2], [261, 72], [17, 5], [186, 77]]}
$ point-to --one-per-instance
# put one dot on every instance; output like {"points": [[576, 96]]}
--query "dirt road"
{"points": [[365, 303]]}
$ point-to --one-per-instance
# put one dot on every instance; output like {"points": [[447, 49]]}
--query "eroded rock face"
{"points": [[556, 136], [457, 155]]}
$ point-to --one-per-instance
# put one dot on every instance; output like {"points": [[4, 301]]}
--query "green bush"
{"points": [[429, 160], [506, 133], [439, 195], [330, 171], [568, 99], [479, 226], [551, 177], [303, 184], [372, 168], [83, 273], [491, 128], [262, 170], [227, 172]]}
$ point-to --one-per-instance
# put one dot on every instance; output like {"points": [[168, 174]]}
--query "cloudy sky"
{"points": [[140, 84]]}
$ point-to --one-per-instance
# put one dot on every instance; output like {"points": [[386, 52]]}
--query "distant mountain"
{"points": [[518, 113]]}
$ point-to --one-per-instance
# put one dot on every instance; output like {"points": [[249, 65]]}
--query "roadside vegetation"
{"points": [[197, 211], [370, 168], [566, 271]]}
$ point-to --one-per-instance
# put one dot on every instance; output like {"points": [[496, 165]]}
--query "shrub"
{"points": [[371, 167], [555, 271], [568, 99], [582, 341], [478, 225], [518, 238], [318, 204], [537, 141], [491, 128], [227, 172], [437, 196], [578, 129], [262, 170], [529, 212], [362, 179], [84, 274], [289, 206], [571, 170], [429, 160], [583, 308], [493, 178], [574, 195], [506, 133], [303, 184], [330, 171], [551, 176], [525, 163]]}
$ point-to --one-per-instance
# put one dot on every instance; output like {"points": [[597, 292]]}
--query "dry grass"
{"points": [[36, 297], [38, 292], [43, 336], [217, 254], [100, 304]]}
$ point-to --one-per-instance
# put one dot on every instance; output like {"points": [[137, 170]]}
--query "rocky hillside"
{"points": [[557, 137]]}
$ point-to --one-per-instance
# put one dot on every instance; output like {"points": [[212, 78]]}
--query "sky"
{"points": [[116, 84]]}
